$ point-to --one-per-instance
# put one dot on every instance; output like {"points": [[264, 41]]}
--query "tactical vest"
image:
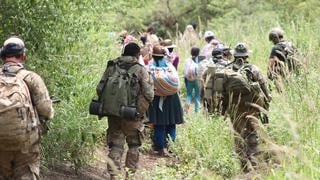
{"points": [[290, 55], [238, 83], [214, 80]]}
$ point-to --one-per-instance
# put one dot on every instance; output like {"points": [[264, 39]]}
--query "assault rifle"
{"points": [[44, 128], [55, 100]]}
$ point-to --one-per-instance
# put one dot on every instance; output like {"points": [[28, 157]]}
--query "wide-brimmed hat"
{"points": [[158, 51], [241, 50], [167, 43]]}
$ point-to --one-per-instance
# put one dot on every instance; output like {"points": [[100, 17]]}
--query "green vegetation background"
{"points": [[70, 41]]}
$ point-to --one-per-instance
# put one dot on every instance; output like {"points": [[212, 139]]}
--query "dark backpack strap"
{"points": [[110, 63], [248, 70], [281, 50], [104, 78]]}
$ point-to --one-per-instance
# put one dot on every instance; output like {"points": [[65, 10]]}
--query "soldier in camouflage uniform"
{"points": [[244, 116], [24, 165], [121, 131], [283, 58], [218, 57], [213, 104]]}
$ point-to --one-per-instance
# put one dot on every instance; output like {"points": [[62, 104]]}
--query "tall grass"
{"points": [[204, 145], [74, 132]]}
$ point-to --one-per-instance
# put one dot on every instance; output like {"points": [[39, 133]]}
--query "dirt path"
{"points": [[98, 170], [95, 171]]}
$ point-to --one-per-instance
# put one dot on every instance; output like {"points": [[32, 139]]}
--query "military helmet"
{"points": [[217, 53], [276, 34], [241, 50]]}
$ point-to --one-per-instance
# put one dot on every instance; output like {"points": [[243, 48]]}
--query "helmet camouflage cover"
{"points": [[241, 50], [276, 34]]}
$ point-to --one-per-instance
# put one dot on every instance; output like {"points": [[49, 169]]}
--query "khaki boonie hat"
{"points": [[241, 50], [167, 43]]}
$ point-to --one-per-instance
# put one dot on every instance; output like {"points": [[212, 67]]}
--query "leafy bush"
{"points": [[69, 47]]}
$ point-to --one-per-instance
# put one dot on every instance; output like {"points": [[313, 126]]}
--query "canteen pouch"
{"points": [[128, 112], [95, 108]]}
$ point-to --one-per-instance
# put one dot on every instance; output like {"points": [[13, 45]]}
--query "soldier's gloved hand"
{"points": [[43, 127], [270, 76]]}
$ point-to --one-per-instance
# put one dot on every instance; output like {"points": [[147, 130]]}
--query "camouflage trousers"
{"points": [[20, 166], [279, 74], [214, 105], [245, 123], [119, 132]]}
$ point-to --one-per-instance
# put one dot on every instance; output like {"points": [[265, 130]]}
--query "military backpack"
{"points": [[226, 81], [18, 118], [214, 80], [120, 94], [290, 55]]}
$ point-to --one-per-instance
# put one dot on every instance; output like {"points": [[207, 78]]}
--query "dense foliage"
{"points": [[69, 43], [69, 47]]}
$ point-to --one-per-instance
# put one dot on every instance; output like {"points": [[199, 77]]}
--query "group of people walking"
{"points": [[218, 77], [143, 85]]}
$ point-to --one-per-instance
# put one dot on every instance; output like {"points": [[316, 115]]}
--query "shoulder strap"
{"points": [[22, 74], [246, 66], [281, 44], [110, 63]]}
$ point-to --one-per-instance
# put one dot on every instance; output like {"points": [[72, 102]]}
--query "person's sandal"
{"points": [[164, 153]]}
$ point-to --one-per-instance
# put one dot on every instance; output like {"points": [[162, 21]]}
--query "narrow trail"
{"points": [[98, 169]]}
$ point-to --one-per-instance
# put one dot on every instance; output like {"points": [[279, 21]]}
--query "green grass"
{"points": [[204, 146]]}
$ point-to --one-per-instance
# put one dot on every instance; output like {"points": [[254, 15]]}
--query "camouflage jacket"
{"points": [[282, 49], [256, 76], [38, 91]]}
